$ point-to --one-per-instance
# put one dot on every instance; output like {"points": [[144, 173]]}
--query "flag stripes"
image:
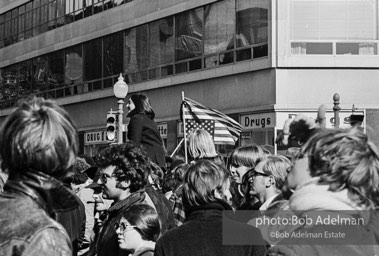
{"points": [[226, 130]]}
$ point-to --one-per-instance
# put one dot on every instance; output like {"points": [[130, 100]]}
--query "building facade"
{"points": [[259, 61]]}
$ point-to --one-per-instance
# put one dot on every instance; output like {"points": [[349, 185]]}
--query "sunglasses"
{"points": [[104, 178], [254, 173], [124, 227]]}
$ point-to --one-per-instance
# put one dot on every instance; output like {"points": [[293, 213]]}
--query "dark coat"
{"points": [[106, 242], [142, 130], [29, 205], [202, 234]]}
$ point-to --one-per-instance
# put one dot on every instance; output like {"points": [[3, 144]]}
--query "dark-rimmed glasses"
{"points": [[255, 173], [124, 227]]}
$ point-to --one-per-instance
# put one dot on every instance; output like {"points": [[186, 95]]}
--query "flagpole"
{"points": [[275, 144], [177, 147], [184, 131]]}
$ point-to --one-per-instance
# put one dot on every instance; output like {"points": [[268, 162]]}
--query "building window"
{"points": [[189, 34], [136, 53], [252, 28], [161, 48], [350, 26], [219, 30], [73, 68], [113, 57]]}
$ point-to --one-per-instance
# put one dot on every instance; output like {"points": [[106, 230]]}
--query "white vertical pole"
{"points": [[120, 121], [184, 131]]}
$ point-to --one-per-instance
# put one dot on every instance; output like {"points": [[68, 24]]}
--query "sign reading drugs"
{"points": [[257, 121]]}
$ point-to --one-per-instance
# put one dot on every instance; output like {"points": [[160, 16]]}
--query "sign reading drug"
{"points": [[257, 121], [97, 137]]}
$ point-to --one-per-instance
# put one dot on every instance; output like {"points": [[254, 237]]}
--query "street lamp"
{"points": [[336, 109], [120, 90]]}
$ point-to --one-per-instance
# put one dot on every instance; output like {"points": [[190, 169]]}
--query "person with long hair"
{"points": [[201, 146], [143, 130], [241, 160]]}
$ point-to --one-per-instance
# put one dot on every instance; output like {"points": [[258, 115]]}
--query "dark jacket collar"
{"points": [[138, 196], [47, 191], [208, 211]]}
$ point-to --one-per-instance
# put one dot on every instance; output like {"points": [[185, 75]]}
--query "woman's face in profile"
{"points": [[130, 105], [299, 173]]}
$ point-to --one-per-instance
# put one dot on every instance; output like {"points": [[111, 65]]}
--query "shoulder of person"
{"points": [[50, 241], [145, 252]]}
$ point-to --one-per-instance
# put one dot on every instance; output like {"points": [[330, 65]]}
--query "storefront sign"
{"points": [[162, 128], [344, 118], [97, 137], [257, 121]]}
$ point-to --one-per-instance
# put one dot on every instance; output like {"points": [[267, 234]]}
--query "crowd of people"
{"points": [[130, 200]]}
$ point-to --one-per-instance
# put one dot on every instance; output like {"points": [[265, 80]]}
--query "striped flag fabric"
{"points": [[223, 129]]}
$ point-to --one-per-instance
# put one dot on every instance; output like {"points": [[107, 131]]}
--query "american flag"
{"points": [[223, 129], [206, 124]]}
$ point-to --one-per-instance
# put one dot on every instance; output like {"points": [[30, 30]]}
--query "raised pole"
{"points": [[336, 109], [184, 132], [120, 103]]}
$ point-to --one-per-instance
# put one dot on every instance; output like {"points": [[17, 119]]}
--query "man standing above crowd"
{"points": [[38, 147]]}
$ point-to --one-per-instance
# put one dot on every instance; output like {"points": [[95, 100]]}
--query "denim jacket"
{"points": [[28, 206]]}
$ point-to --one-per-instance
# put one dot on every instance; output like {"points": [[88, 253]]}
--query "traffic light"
{"points": [[111, 127]]}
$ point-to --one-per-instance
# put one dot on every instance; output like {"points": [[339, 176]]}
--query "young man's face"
{"points": [[109, 184], [238, 172]]}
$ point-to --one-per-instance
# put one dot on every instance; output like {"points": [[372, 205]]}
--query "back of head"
{"points": [[146, 220], [38, 135], [276, 166], [246, 155], [200, 145], [345, 159], [142, 104], [131, 161], [202, 180]]}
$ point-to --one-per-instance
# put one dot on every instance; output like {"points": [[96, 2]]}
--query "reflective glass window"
{"points": [[40, 71], [136, 52], [9, 88], [189, 34], [25, 78], [73, 71], [113, 54], [219, 29], [92, 60], [252, 22], [161, 42]]}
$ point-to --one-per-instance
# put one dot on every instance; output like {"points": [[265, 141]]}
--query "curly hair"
{"points": [[131, 161], [345, 159]]}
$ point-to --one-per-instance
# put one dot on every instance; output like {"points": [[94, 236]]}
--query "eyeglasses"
{"points": [[255, 173], [124, 227], [104, 177]]}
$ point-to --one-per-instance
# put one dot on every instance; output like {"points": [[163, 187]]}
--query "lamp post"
{"points": [[336, 109], [120, 90]]}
